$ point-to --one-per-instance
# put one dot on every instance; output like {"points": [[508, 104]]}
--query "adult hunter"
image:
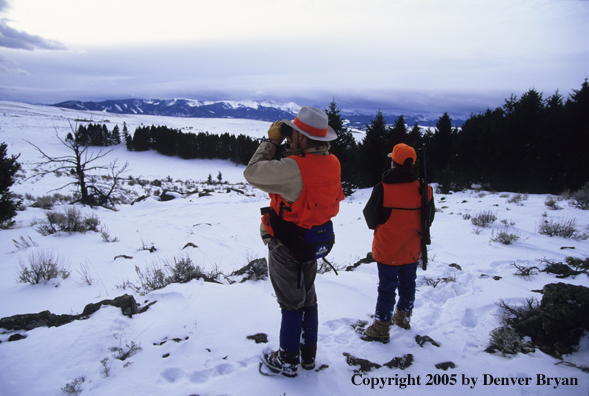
{"points": [[305, 192]]}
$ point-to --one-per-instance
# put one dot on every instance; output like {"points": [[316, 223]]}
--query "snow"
{"points": [[210, 322]]}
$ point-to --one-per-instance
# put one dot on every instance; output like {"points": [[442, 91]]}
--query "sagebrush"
{"points": [[42, 266], [70, 221]]}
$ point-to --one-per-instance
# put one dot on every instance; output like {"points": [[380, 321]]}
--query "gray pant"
{"points": [[284, 274]]}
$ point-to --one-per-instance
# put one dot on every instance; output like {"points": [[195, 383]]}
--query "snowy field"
{"points": [[210, 322]]}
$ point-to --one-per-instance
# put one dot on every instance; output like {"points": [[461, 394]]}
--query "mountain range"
{"points": [[263, 111]]}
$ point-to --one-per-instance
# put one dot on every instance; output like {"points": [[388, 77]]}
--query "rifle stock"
{"points": [[425, 215]]}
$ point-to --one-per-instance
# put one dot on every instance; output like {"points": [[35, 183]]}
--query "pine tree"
{"points": [[577, 126], [442, 154], [398, 133], [141, 139], [374, 151], [414, 136], [8, 168], [116, 135], [344, 148]]}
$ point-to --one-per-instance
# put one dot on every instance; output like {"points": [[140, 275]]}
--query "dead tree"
{"points": [[83, 166]]}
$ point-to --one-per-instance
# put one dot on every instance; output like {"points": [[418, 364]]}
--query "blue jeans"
{"points": [[391, 278]]}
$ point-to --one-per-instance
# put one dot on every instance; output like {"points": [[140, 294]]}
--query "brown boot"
{"points": [[378, 331], [402, 319]]}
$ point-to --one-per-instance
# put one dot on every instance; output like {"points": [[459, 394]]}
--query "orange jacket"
{"points": [[320, 197], [397, 241]]}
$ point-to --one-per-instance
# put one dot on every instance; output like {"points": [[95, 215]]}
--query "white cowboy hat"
{"points": [[312, 123]]}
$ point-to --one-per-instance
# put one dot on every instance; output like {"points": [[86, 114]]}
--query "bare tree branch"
{"points": [[79, 165]]}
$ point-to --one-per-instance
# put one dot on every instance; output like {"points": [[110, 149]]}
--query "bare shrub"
{"points": [[69, 221], [484, 219], [517, 199], [124, 353], [105, 234], [426, 281], [505, 237], [24, 243], [42, 267], [564, 228], [182, 270], [85, 274], [48, 201], [74, 388], [580, 198], [513, 315], [153, 279], [526, 272], [509, 341], [552, 203]]}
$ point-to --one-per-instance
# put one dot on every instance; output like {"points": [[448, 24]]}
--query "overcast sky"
{"points": [[459, 56]]}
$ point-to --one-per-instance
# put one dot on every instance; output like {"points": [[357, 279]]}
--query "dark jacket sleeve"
{"points": [[371, 211]]}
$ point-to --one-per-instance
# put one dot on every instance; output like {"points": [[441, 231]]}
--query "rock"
{"points": [[32, 321], [445, 366], [168, 195], [421, 340], [259, 338], [557, 325], [126, 302], [16, 337], [402, 362], [255, 270], [47, 319], [364, 365]]}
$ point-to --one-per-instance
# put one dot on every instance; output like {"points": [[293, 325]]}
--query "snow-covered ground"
{"points": [[210, 322]]}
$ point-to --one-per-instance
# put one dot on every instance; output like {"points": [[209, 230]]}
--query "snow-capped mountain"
{"points": [[264, 111], [246, 109]]}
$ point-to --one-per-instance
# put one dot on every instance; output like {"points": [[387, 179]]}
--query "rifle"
{"points": [[425, 215]]}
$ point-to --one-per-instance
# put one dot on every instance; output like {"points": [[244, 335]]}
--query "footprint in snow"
{"points": [[469, 319], [337, 324], [202, 376], [172, 375]]}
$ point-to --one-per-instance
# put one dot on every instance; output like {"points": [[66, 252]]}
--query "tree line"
{"points": [[529, 144], [173, 142], [95, 135]]}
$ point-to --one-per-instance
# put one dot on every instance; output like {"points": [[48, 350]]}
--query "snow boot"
{"points": [[308, 357], [285, 363], [402, 319], [378, 331]]}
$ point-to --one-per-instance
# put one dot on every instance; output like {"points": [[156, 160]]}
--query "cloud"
{"points": [[4, 69], [15, 39]]}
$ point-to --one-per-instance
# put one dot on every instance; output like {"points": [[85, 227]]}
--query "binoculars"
{"points": [[286, 129]]}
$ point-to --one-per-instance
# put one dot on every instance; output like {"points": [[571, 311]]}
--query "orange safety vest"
{"points": [[397, 241], [320, 197]]}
